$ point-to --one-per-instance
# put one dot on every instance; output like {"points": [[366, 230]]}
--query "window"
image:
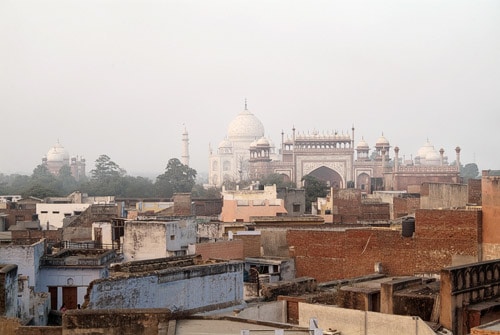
{"points": [[172, 237], [44, 212], [296, 208], [55, 212]]}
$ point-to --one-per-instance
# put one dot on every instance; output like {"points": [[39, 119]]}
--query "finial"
{"points": [[246, 108]]}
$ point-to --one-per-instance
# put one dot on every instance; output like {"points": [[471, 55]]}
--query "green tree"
{"points": [[67, 181], [207, 193], [177, 178], [105, 168], [469, 171], [106, 178], [276, 179], [137, 187], [314, 189], [42, 184]]}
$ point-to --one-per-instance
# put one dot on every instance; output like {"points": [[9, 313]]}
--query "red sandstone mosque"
{"points": [[245, 154]]}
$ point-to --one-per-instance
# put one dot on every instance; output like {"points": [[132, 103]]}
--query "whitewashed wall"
{"points": [[181, 289]]}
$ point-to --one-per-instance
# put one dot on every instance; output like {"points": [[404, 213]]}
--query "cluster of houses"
{"points": [[383, 263]]}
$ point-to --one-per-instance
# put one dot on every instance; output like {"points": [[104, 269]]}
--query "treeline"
{"points": [[108, 178]]}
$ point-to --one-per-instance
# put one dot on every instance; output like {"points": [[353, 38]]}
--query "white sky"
{"points": [[121, 77]]}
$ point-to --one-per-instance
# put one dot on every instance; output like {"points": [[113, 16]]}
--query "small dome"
{"points": [[428, 155], [246, 127], [225, 143], [288, 141], [382, 141], [57, 154], [263, 142], [362, 144], [425, 150]]}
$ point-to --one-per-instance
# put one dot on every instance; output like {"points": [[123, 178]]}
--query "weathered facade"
{"points": [[179, 284], [155, 239], [68, 273], [441, 238], [490, 186], [8, 290], [469, 295], [241, 205], [27, 258]]}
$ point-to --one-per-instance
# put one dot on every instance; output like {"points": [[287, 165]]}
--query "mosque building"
{"points": [[246, 154], [58, 156]]}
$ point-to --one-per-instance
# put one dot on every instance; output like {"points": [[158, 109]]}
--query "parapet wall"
{"points": [[179, 289], [354, 322], [116, 322], [462, 286], [440, 237]]}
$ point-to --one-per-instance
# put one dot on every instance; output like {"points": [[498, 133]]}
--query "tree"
{"points": [[106, 178], [177, 178], [207, 193], [276, 179], [42, 184], [138, 187], [106, 168], [469, 171], [314, 189], [67, 181]]}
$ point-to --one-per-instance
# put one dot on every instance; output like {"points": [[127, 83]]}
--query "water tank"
{"points": [[408, 227]]}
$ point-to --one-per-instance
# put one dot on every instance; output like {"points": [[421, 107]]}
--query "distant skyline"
{"points": [[123, 78]]}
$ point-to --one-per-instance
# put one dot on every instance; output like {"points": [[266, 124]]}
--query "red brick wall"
{"points": [[251, 245], [474, 186], [375, 212], [405, 205], [18, 215], [491, 208], [221, 250], [207, 207], [292, 307], [442, 233], [32, 236], [329, 255], [346, 206]]}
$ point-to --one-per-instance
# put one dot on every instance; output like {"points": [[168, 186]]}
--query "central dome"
{"points": [[57, 153], [245, 127]]}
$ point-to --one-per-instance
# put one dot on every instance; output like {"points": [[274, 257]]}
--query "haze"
{"points": [[121, 78]]}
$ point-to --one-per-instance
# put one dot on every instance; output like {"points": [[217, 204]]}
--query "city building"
{"points": [[241, 205]]}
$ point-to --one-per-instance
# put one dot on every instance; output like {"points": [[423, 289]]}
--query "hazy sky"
{"points": [[121, 77]]}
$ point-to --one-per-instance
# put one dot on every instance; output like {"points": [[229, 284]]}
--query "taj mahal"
{"points": [[245, 154], [58, 156]]}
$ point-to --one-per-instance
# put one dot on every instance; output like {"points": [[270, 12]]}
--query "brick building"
{"points": [[490, 185]]}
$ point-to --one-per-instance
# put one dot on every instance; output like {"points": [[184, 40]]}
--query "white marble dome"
{"points": [[428, 155], [57, 154], [362, 144], [382, 141], [245, 127], [263, 142]]}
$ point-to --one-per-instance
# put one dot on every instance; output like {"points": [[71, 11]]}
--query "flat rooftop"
{"points": [[228, 327]]}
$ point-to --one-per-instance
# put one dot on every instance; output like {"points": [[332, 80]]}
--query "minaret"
{"points": [[457, 150], [185, 148], [396, 159]]}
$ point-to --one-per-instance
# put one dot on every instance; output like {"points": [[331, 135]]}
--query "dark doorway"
{"points": [[70, 297]]}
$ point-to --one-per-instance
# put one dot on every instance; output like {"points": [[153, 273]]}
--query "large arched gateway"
{"points": [[331, 177]]}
